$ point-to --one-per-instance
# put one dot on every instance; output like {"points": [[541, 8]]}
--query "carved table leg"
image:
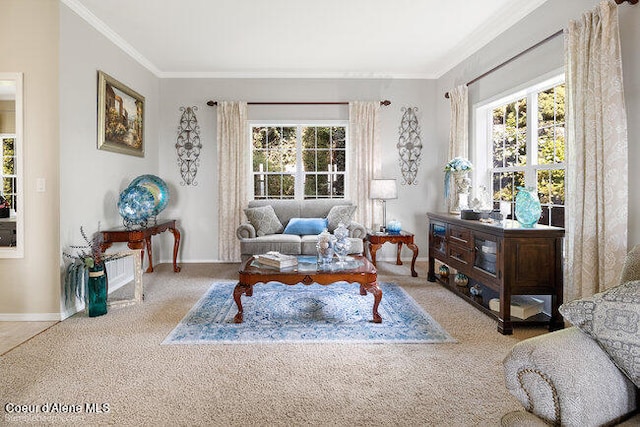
{"points": [[176, 246], [373, 248], [240, 289], [363, 291], [377, 297], [147, 241], [398, 260], [414, 248]]}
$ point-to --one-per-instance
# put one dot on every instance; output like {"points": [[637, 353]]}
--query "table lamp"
{"points": [[383, 189]]}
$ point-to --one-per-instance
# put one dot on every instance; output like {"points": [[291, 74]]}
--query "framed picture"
{"points": [[120, 117]]}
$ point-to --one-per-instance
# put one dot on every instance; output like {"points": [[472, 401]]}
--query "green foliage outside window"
{"points": [[323, 153], [8, 171]]}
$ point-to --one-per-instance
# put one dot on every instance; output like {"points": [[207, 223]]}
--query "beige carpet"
{"points": [[117, 359]]}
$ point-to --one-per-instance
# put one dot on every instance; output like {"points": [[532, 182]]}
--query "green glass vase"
{"points": [[97, 291]]}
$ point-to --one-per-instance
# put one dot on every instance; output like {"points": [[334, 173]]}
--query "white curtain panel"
{"points": [[459, 131], [233, 175], [364, 158], [597, 187]]}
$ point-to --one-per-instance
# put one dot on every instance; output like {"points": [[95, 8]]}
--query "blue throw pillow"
{"points": [[304, 226]]}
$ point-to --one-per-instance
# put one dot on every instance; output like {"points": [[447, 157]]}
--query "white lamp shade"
{"points": [[383, 189]]}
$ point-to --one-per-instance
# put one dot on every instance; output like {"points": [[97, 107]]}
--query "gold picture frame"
{"points": [[120, 117]]}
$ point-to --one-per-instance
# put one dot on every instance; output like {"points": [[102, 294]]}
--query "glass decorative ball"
{"points": [[136, 205], [157, 187]]}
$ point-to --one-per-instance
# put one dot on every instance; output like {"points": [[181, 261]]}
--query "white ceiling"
{"points": [[301, 38]]}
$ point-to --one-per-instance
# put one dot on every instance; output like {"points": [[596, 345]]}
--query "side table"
{"points": [[139, 239], [376, 240]]}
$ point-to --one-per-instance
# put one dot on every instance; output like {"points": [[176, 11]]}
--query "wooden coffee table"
{"points": [[358, 270]]}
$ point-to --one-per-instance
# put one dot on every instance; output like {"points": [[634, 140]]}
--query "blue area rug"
{"points": [[278, 313]]}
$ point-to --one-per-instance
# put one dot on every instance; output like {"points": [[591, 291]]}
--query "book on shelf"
{"points": [[522, 307], [278, 260]]}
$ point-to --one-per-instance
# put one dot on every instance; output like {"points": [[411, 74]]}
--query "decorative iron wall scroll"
{"points": [[409, 145], [188, 145]]}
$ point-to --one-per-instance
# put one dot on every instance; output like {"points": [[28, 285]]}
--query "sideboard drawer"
{"points": [[460, 253], [460, 236]]}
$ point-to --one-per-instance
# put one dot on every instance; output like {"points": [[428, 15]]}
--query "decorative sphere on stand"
{"points": [[144, 198]]}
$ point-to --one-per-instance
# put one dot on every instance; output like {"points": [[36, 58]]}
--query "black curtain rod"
{"points": [[385, 103], [513, 58]]}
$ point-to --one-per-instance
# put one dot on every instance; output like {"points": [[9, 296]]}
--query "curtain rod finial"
{"points": [[211, 103], [386, 102], [446, 95]]}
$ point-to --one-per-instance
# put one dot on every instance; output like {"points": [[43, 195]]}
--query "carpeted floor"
{"points": [[117, 360]]}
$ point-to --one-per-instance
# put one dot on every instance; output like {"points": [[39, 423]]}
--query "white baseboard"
{"points": [[30, 317]]}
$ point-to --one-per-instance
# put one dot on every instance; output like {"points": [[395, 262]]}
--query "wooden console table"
{"points": [[375, 241], [504, 260], [139, 239]]}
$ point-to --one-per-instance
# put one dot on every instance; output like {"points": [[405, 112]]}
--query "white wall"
{"points": [[195, 206], [91, 179], [544, 21]]}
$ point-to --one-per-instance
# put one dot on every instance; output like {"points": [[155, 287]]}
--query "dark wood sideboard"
{"points": [[504, 260]]}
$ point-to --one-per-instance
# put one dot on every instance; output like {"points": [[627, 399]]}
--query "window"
{"points": [[8, 174], [525, 140], [303, 161]]}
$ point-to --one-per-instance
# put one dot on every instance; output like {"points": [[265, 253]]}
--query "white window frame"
{"points": [[300, 174], [482, 139]]}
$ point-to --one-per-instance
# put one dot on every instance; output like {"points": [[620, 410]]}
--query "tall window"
{"points": [[299, 161], [8, 174], [526, 144]]}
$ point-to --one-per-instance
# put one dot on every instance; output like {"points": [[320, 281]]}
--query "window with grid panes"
{"points": [[300, 161], [527, 147]]}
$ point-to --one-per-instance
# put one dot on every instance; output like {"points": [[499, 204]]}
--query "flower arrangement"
{"points": [[90, 254], [458, 164]]}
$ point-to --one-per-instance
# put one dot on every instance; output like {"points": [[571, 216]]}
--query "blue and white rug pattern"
{"points": [[278, 313]]}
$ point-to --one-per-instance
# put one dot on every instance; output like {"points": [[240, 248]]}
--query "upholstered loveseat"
{"points": [[588, 374], [292, 227]]}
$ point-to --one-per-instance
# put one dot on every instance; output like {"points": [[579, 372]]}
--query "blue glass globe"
{"points": [[136, 205], [157, 187]]}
